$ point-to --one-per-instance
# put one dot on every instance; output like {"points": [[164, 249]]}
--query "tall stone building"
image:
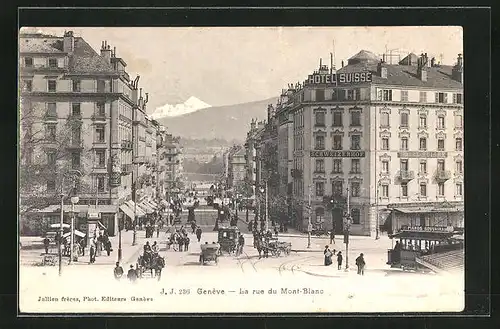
{"points": [[389, 137]]}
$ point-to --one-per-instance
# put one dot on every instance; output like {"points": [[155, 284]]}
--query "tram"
{"points": [[414, 242]]}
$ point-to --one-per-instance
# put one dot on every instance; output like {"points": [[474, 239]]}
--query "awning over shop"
{"points": [[138, 210], [151, 205], [80, 209], [77, 233], [147, 208], [154, 204], [416, 210], [127, 211]]}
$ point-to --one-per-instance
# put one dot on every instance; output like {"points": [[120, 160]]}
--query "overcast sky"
{"points": [[230, 65]]}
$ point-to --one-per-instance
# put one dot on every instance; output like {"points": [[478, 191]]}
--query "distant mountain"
{"points": [[193, 104], [226, 122]]}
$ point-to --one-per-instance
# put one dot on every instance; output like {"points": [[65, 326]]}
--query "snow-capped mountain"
{"points": [[193, 104]]}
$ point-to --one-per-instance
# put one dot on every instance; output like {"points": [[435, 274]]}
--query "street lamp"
{"points": [[309, 225], [120, 227], [74, 200], [59, 240], [347, 226], [262, 190], [333, 206]]}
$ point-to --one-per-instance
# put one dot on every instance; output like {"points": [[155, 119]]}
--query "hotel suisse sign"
{"points": [[338, 154], [422, 154], [339, 78]]}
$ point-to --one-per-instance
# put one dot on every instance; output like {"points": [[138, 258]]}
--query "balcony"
{"points": [[99, 117], [50, 116], [127, 145], [75, 144], [127, 168], [99, 143], [406, 175], [75, 117], [443, 175], [139, 159]]}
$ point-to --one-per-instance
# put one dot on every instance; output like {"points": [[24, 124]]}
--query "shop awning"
{"points": [[154, 204], [138, 210], [147, 208], [77, 233], [151, 205], [416, 210], [127, 211], [80, 209]]}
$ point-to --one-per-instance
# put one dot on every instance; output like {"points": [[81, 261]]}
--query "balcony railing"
{"points": [[50, 116], [99, 117], [127, 145], [139, 159], [443, 175], [75, 116], [406, 175]]}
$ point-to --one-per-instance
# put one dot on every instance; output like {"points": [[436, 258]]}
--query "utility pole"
{"points": [[267, 205], [61, 222], [347, 228], [377, 236], [309, 225]]}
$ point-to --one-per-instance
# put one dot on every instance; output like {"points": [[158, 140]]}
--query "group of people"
{"points": [[360, 260], [261, 241], [98, 244], [132, 274], [179, 239]]}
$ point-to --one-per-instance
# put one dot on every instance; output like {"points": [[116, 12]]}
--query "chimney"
{"points": [[382, 70], [68, 42], [342, 63], [106, 51], [457, 73], [421, 67]]}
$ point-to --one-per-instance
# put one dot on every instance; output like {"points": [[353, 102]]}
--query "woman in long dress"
{"points": [[328, 256]]}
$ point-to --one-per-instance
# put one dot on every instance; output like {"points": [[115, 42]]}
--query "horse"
{"points": [[158, 264]]}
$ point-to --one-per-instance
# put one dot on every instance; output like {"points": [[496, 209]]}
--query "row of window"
{"points": [[422, 146], [441, 166], [319, 142], [355, 215], [75, 86], [337, 166], [100, 109], [404, 121], [100, 181], [384, 190], [338, 188], [52, 62], [338, 95], [439, 97], [320, 118]]}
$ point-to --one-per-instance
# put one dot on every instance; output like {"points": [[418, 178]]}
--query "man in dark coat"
{"points": [[339, 260], [198, 233], [118, 272], [360, 263], [132, 274], [186, 243], [241, 244], [46, 243]]}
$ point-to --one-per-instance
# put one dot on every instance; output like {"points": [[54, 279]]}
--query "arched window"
{"points": [[320, 215]]}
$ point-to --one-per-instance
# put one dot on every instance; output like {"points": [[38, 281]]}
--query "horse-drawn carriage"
{"points": [[276, 248], [228, 239], [149, 262], [209, 252]]}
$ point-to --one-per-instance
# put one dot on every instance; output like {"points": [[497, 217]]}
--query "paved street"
{"points": [[300, 270]]}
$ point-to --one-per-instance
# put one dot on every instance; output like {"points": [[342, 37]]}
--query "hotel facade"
{"points": [[389, 136]]}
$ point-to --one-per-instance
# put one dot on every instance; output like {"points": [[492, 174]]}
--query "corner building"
{"points": [[391, 135]]}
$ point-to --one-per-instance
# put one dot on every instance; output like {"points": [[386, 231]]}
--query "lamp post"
{"points": [[264, 190], [74, 200], [59, 240], [347, 226], [332, 205], [120, 226], [377, 229]]}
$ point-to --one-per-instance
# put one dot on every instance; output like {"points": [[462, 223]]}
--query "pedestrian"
{"points": [[276, 231], [193, 226], [118, 272], [332, 237], [132, 274], [339, 260], [46, 243], [198, 233], [360, 263], [180, 240], [92, 252], [82, 243], [241, 243], [171, 219], [157, 231], [328, 256], [99, 245], [108, 246], [186, 243]]}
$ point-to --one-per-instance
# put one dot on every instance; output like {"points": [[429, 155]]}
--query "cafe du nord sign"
{"points": [[338, 154], [339, 78]]}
